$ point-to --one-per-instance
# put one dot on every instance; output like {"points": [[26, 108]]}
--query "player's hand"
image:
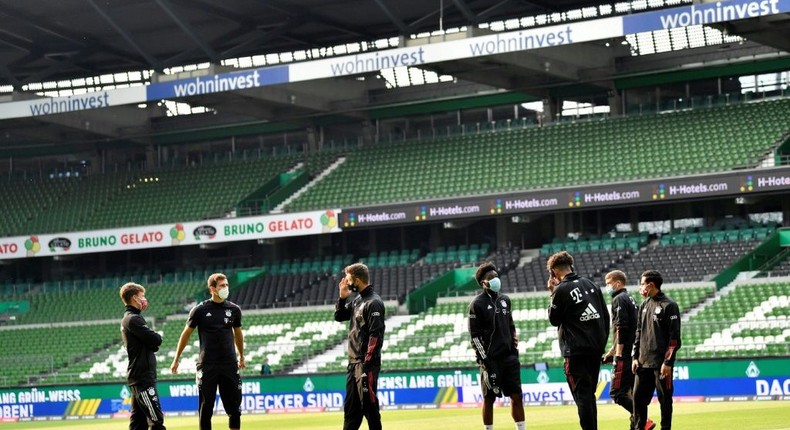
{"points": [[492, 379], [365, 388], [486, 379], [343, 287], [242, 364], [607, 358], [634, 366], [174, 366], [666, 371], [552, 284]]}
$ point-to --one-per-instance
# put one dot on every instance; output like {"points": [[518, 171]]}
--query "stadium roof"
{"points": [[51, 39], [50, 47]]}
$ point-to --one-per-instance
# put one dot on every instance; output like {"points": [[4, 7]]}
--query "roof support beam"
{"points": [[547, 6], [492, 8], [188, 30], [217, 11], [66, 34], [17, 42], [10, 76], [310, 16], [155, 64], [404, 29], [252, 39], [429, 15], [464, 8]]}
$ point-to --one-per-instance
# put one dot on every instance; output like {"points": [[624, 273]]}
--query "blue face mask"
{"points": [[610, 290], [494, 285]]}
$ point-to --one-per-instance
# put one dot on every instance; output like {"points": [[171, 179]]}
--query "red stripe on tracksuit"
{"points": [[673, 344], [618, 375], [372, 342], [371, 386], [571, 381]]}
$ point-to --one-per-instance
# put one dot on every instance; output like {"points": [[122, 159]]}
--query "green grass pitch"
{"points": [[766, 415]]}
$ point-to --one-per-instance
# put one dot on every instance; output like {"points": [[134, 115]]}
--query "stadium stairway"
{"points": [[339, 162], [721, 293]]}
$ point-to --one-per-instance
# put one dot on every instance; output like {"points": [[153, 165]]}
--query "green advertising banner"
{"points": [[740, 379]]}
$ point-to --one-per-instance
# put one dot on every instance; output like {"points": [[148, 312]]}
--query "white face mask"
{"points": [[223, 293], [495, 284]]}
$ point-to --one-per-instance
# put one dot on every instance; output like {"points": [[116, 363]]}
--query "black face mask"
{"points": [[353, 288]]}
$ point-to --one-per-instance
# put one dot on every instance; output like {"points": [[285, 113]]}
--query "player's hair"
{"points": [[214, 279], [654, 277], [616, 275], [485, 272], [129, 290], [561, 260], [359, 271]]}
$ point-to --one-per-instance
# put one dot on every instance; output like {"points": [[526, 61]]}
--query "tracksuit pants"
{"points": [[225, 377], [646, 381], [360, 402], [622, 385], [581, 372], [146, 412]]}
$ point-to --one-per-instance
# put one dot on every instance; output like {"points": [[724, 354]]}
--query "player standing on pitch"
{"points": [[624, 309], [219, 326], [655, 347], [141, 343], [579, 312], [365, 339], [495, 342]]}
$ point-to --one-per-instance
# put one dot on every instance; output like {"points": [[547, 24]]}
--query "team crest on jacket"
{"points": [[227, 313], [658, 311], [503, 303]]}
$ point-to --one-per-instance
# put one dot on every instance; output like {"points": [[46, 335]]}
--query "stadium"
{"points": [[277, 142]]}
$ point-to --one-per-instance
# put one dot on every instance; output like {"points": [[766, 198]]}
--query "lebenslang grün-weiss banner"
{"points": [[696, 381]]}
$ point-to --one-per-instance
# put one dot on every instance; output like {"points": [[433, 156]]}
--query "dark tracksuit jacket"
{"points": [[624, 310], [365, 339], [658, 332], [657, 342], [141, 343], [581, 315], [491, 327], [366, 334]]}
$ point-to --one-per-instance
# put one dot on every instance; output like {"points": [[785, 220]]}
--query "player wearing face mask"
{"points": [[141, 343], [655, 347], [624, 310], [218, 322], [365, 339], [495, 342]]}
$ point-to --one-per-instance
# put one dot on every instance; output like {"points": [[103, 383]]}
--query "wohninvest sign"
{"points": [[373, 61], [223, 82]]}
